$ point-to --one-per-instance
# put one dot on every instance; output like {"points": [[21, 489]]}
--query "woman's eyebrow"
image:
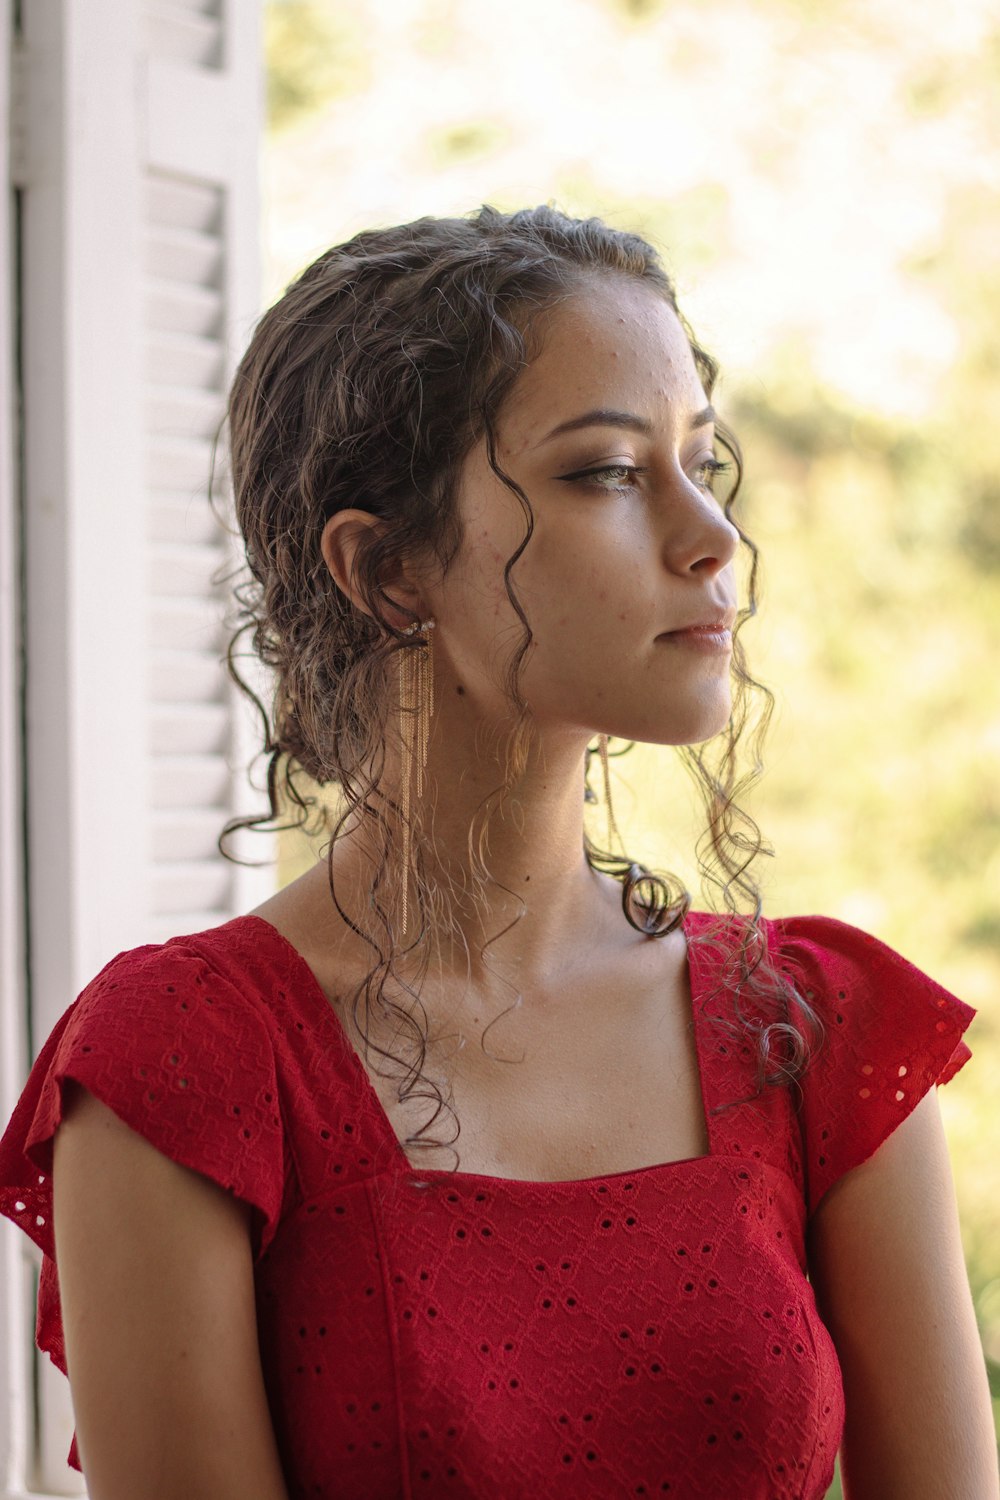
{"points": [[605, 417]]}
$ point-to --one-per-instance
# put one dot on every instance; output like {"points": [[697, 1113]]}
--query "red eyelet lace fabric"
{"points": [[425, 1333]]}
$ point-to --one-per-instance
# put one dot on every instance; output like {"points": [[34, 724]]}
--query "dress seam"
{"points": [[816, 1458], [406, 1492]]}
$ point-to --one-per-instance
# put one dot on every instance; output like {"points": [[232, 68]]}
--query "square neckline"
{"points": [[401, 1162]]}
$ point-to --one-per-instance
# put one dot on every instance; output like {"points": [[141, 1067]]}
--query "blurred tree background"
{"points": [[824, 183]]}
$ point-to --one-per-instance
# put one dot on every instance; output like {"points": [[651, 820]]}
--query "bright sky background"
{"points": [[797, 136]]}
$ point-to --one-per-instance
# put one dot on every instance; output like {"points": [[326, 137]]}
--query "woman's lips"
{"points": [[707, 637]]}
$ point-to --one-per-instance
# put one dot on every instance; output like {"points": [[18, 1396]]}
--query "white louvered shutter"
{"points": [[138, 247], [190, 718]]}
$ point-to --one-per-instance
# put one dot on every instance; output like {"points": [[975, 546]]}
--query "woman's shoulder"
{"points": [[843, 970], [177, 1038], [873, 1001], [819, 950], [849, 965], [248, 950], [210, 979], [891, 1032]]}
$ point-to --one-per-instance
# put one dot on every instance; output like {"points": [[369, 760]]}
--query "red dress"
{"points": [[429, 1333]]}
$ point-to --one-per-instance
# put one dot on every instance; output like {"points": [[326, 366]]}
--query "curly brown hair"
{"points": [[375, 373]]}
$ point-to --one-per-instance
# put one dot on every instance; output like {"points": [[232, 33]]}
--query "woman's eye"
{"points": [[608, 476], [625, 476], [708, 471]]}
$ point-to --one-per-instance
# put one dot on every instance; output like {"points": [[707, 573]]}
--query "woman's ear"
{"points": [[342, 536]]}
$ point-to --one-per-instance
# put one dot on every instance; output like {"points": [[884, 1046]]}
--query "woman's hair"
{"points": [[367, 384]]}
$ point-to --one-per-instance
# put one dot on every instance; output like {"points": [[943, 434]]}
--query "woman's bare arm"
{"points": [[888, 1272], [156, 1282]]}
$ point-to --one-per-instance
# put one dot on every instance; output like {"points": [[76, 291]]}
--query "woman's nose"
{"points": [[701, 536]]}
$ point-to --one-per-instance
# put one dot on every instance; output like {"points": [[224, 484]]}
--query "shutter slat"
{"points": [[185, 571], [186, 255], [186, 835], [174, 31], [178, 411], [186, 624], [178, 676], [189, 729], [188, 884], [176, 203], [179, 462], [191, 7], [184, 359], [182, 516], [190, 781], [176, 308]]}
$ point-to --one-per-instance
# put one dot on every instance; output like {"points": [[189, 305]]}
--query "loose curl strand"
{"points": [[373, 377]]}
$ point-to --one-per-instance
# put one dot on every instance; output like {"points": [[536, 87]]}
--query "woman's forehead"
{"points": [[616, 344]]}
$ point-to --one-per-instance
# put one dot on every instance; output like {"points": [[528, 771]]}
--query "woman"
{"points": [[474, 1162]]}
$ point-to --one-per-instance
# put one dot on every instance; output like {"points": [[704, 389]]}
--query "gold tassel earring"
{"points": [[613, 834], [416, 704]]}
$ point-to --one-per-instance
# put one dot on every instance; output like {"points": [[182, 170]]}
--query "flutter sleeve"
{"points": [[892, 1033], [185, 1060]]}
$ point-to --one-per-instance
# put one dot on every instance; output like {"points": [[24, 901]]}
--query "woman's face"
{"points": [[608, 435]]}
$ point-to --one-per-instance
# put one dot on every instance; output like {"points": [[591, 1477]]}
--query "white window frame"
{"points": [[108, 92]]}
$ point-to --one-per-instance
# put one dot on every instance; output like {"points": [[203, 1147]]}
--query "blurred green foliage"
{"points": [[315, 53], [468, 141]]}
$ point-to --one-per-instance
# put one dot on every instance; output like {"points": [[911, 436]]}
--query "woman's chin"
{"points": [[701, 723]]}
